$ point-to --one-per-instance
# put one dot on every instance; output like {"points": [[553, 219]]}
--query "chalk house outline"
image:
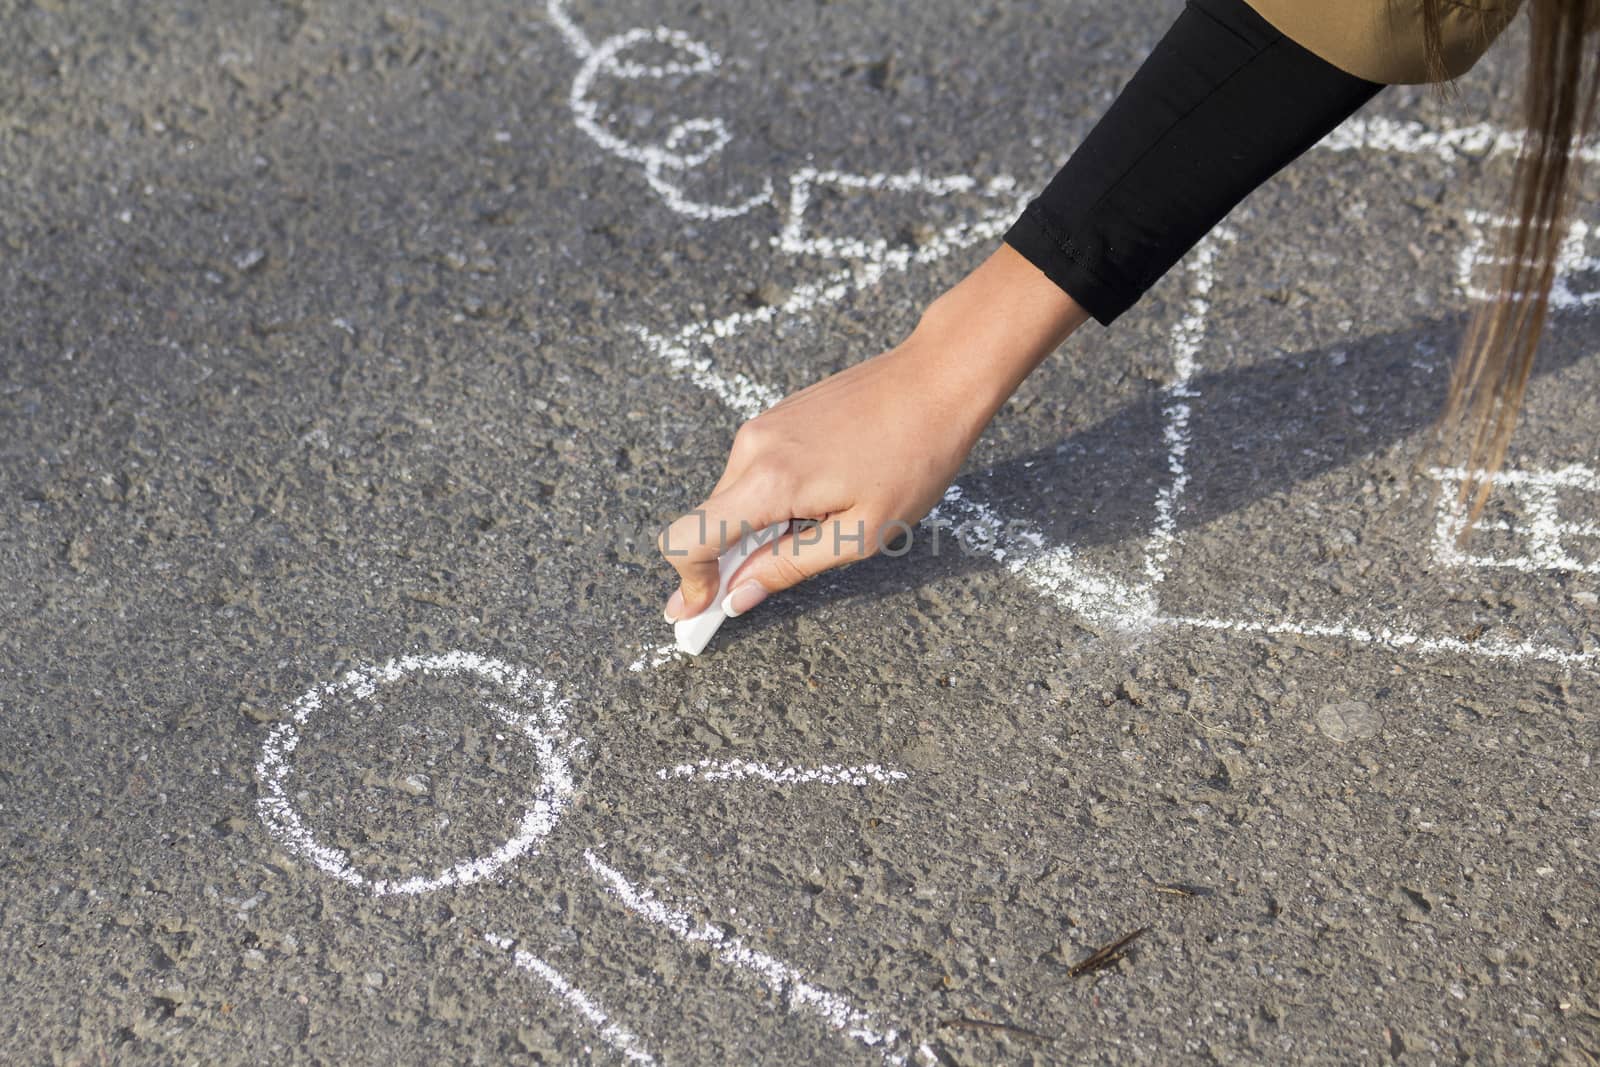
{"points": [[1131, 604]]}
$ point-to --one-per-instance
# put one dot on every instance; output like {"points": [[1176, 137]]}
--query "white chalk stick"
{"points": [[694, 634]]}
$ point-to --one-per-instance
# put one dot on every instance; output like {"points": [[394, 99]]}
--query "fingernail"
{"points": [[743, 599], [674, 606]]}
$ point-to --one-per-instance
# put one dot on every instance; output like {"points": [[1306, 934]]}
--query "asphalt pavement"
{"points": [[351, 355]]}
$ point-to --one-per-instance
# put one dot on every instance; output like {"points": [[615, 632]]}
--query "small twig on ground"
{"points": [[1206, 726], [1104, 957]]}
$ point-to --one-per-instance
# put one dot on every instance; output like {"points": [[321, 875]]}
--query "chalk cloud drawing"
{"points": [[687, 145], [533, 707]]}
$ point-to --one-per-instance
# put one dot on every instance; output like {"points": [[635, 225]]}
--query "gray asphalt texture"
{"points": [[316, 349]]}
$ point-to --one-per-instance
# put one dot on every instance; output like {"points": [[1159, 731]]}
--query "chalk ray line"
{"points": [[738, 770], [782, 978], [567, 26], [619, 1037]]}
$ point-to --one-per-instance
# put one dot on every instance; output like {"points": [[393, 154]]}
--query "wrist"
{"points": [[984, 335]]}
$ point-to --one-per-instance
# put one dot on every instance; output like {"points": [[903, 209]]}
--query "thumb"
{"points": [[811, 547], [694, 542]]}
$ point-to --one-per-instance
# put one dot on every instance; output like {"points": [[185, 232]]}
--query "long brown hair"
{"points": [[1491, 374]]}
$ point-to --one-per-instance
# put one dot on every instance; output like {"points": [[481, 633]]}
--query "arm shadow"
{"points": [[1255, 430]]}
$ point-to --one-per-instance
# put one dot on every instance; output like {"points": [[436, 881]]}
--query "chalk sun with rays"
{"points": [[514, 699]]}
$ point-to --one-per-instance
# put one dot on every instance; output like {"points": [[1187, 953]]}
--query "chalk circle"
{"points": [[532, 707], [1350, 720]]}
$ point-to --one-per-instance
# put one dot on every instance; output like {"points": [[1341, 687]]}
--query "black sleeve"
{"points": [[1222, 103]]}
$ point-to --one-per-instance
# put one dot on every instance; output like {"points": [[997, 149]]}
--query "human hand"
{"points": [[867, 452]]}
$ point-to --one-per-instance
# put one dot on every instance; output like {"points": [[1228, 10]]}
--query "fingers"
{"points": [[693, 542], [804, 552]]}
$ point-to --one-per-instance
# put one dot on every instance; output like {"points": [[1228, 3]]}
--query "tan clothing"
{"points": [[1382, 40]]}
